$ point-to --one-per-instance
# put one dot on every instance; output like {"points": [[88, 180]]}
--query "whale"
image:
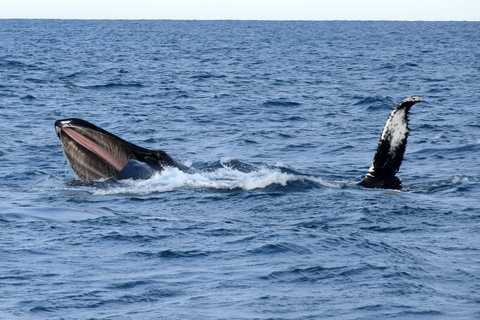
{"points": [[94, 153], [391, 149]]}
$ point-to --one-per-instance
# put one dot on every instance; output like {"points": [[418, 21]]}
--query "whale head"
{"points": [[92, 152]]}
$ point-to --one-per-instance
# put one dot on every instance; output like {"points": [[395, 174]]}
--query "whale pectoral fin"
{"points": [[135, 169], [391, 148]]}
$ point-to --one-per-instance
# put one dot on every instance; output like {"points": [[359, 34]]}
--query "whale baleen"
{"points": [[94, 153]]}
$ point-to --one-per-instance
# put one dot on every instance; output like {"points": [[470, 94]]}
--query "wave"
{"points": [[455, 184], [207, 75], [280, 248], [227, 175], [374, 102], [16, 65], [281, 103], [28, 97], [49, 213], [110, 85]]}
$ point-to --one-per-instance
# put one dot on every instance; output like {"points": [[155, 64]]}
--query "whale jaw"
{"points": [[94, 153]]}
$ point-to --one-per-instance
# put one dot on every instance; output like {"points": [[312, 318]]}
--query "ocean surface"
{"points": [[280, 121]]}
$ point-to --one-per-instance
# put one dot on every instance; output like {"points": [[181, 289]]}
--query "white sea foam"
{"points": [[224, 178], [458, 179]]}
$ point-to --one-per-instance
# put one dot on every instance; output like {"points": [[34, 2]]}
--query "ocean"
{"points": [[279, 121]]}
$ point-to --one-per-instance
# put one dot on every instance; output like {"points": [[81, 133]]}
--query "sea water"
{"points": [[279, 122]]}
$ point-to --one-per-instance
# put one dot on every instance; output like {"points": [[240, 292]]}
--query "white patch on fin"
{"points": [[391, 147]]}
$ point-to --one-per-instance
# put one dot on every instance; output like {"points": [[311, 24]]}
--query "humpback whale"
{"points": [[94, 153], [390, 149]]}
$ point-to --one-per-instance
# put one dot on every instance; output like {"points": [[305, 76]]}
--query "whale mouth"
{"points": [[92, 154], [93, 147]]}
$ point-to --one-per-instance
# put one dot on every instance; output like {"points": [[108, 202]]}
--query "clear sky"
{"points": [[244, 9]]}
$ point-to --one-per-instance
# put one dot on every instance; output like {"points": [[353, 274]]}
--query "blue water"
{"points": [[280, 121]]}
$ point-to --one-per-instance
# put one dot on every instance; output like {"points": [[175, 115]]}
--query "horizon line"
{"points": [[237, 19]]}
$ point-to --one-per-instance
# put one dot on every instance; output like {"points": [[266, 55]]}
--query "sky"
{"points": [[429, 10]]}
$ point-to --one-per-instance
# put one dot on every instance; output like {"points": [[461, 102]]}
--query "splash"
{"points": [[224, 178]]}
